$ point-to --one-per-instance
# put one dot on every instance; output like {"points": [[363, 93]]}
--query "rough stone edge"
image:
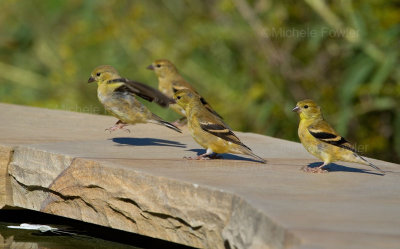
{"points": [[252, 229], [36, 178], [263, 232], [6, 155]]}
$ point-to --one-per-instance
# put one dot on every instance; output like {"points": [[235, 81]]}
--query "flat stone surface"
{"points": [[64, 163]]}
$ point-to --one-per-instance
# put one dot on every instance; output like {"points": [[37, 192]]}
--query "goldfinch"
{"points": [[208, 130], [321, 140], [118, 94], [170, 81]]}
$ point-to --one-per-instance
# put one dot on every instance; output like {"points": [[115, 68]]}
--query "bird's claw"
{"points": [[204, 157], [215, 156], [197, 158], [117, 127], [316, 170]]}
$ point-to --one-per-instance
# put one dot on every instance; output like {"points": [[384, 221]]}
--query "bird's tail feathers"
{"points": [[369, 163], [169, 125], [247, 151], [159, 121]]}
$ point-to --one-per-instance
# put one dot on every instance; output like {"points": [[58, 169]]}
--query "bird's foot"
{"points": [[214, 156], [314, 170], [204, 157], [201, 157], [118, 126], [196, 158], [180, 122]]}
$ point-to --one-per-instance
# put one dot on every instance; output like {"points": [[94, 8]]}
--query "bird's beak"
{"points": [[296, 109], [91, 79], [151, 67]]}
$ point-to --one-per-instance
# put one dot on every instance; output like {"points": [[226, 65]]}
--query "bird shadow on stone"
{"points": [[225, 156], [333, 167], [136, 141]]}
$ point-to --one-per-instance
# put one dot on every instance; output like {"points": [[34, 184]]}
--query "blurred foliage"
{"points": [[252, 60]]}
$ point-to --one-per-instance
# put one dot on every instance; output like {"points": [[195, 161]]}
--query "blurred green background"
{"points": [[252, 60]]}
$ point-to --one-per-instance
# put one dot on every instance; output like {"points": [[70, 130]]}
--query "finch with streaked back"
{"points": [[170, 81], [322, 141], [208, 130], [118, 95]]}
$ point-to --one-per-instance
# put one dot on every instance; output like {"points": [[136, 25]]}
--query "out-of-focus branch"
{"points": [[273, 56], [277, 58], [329, 17], [20, 76], [351, 36]]}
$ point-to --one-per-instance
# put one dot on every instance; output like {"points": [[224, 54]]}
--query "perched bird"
{"points": [[170, 81], [208, 130], [118, 94], [321, 140]]}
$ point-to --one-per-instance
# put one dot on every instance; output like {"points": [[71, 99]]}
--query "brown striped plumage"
{"points": [[170, 81], [118, 95], [321, 140], [208, 130]]}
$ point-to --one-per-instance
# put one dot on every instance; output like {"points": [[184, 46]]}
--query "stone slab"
{"points": [[64, 163]]}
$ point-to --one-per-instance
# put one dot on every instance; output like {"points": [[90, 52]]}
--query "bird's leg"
{"points": [[200, 157], [118, 125], [206, 156], [318, 169], [203, 157], [180, 122], [214, 156]]}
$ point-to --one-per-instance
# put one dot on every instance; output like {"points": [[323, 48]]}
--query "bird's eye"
{"points": [[178, 97], [158, 65], [306, 106], [98, 74]]}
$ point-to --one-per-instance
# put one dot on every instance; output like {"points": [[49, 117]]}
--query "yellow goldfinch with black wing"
{"points": [[208, 130], [170, 81], [118, 94], [321, 140]]}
